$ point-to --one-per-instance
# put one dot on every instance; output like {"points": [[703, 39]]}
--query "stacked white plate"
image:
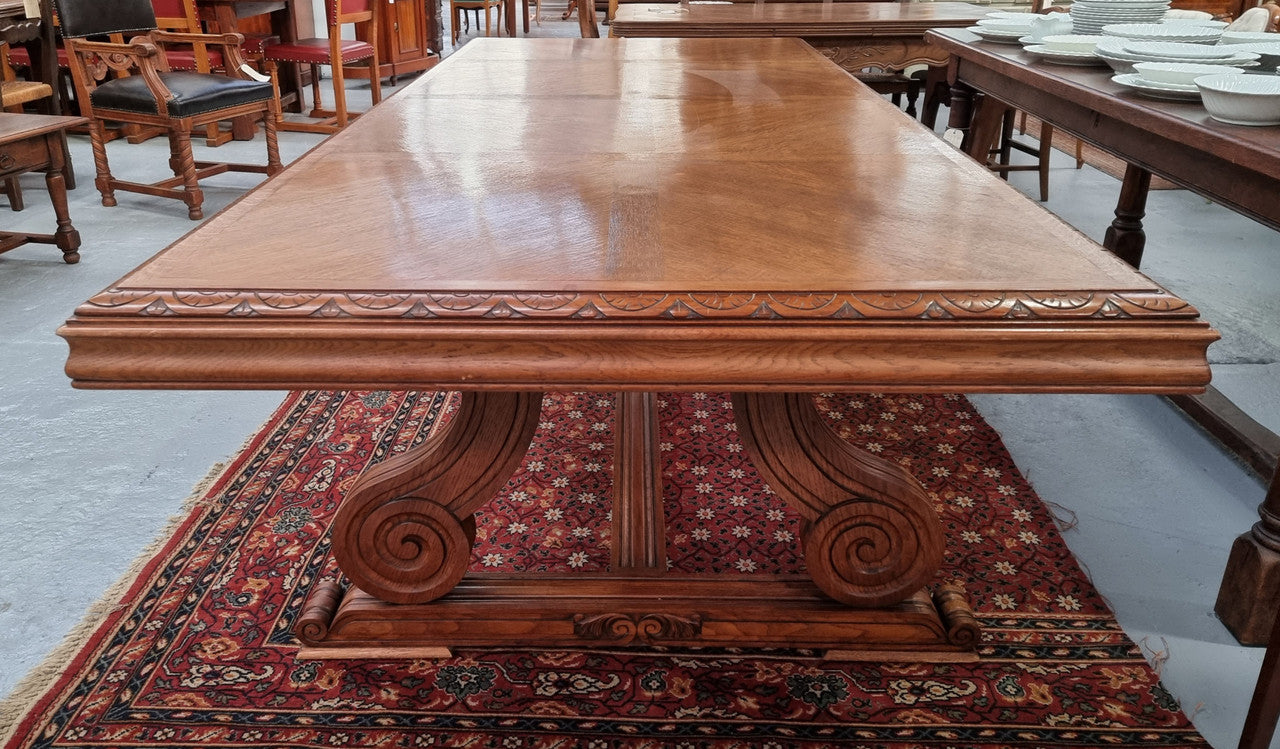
{"points": [[1004, 26], [1156, 90], [1089, 16], [1171, 80], [1121, 54], [1067, 49], [1161, 32]]}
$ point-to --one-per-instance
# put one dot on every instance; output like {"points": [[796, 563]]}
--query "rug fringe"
{"points": [[36, 683]]}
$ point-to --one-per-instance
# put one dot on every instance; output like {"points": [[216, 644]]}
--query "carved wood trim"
{"points": [[623, 629], [889, 54], [754, 306]]}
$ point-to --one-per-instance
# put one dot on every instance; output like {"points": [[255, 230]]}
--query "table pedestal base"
{"points": [[404, 532], [601, 610]]}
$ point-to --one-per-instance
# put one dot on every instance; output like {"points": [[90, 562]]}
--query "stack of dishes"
{"points": [[1004, 27], [1244, 37], [1067, 49], [1268, 52], [1164, 32], [1123, 54], [1171, 80], [1089, 16]]}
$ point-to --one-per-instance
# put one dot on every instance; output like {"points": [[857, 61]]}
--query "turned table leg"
{"points": [[65, 238], [871, 536], [1125, 236], [404, 531]]}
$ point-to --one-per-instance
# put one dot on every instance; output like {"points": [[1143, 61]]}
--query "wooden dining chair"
{"points": [[338, 53], [145, 92], [999, 155], [458, 7]]}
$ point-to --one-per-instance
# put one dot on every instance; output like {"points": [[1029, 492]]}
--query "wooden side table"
{"points": [[35, 142]]}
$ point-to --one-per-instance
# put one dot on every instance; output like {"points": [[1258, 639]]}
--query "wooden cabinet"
{"points": [[408, 31]]}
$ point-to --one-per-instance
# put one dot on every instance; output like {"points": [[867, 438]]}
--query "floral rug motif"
{"points": [[199, 651]]}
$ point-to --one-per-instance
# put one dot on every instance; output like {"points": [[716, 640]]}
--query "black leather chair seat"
{"points": [[194, 93]]}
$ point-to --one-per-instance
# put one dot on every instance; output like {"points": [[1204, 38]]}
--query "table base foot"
{"points": [[605, 610]]}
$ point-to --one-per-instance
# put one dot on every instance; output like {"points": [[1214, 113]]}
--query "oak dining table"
{"points": [[664, 215]]}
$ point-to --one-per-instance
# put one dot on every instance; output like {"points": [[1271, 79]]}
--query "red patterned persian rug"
{"points": [[199, 651]]}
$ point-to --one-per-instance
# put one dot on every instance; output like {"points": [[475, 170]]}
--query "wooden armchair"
{"points": [[147, 93]]}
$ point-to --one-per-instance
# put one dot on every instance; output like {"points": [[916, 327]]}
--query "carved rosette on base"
{"points": [[624, 629]]}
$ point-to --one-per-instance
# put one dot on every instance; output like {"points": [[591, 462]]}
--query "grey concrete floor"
{"points": [[89, 478]]}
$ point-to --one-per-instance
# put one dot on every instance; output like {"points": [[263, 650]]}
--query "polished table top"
{"points": [[812, 19], [635, 213]]}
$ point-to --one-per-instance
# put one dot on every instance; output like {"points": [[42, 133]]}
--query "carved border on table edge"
{"points": [[886, 56], [637, 306]]}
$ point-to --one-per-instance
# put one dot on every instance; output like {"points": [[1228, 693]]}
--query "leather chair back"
{"points": [[81, 18]]}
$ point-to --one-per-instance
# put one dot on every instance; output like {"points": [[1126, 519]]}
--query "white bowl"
{"points": [[1070, 42], [1241, 99], [1268, 52], [1244, 37], [1180, 73]]}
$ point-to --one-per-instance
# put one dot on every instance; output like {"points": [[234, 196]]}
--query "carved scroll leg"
{"points": [[871, 537], [404, 531]]}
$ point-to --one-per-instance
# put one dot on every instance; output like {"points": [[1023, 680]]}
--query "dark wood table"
{"points": [[1233, 165], [854, 35], [888, 36], [32, 143], [667, 214]]}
